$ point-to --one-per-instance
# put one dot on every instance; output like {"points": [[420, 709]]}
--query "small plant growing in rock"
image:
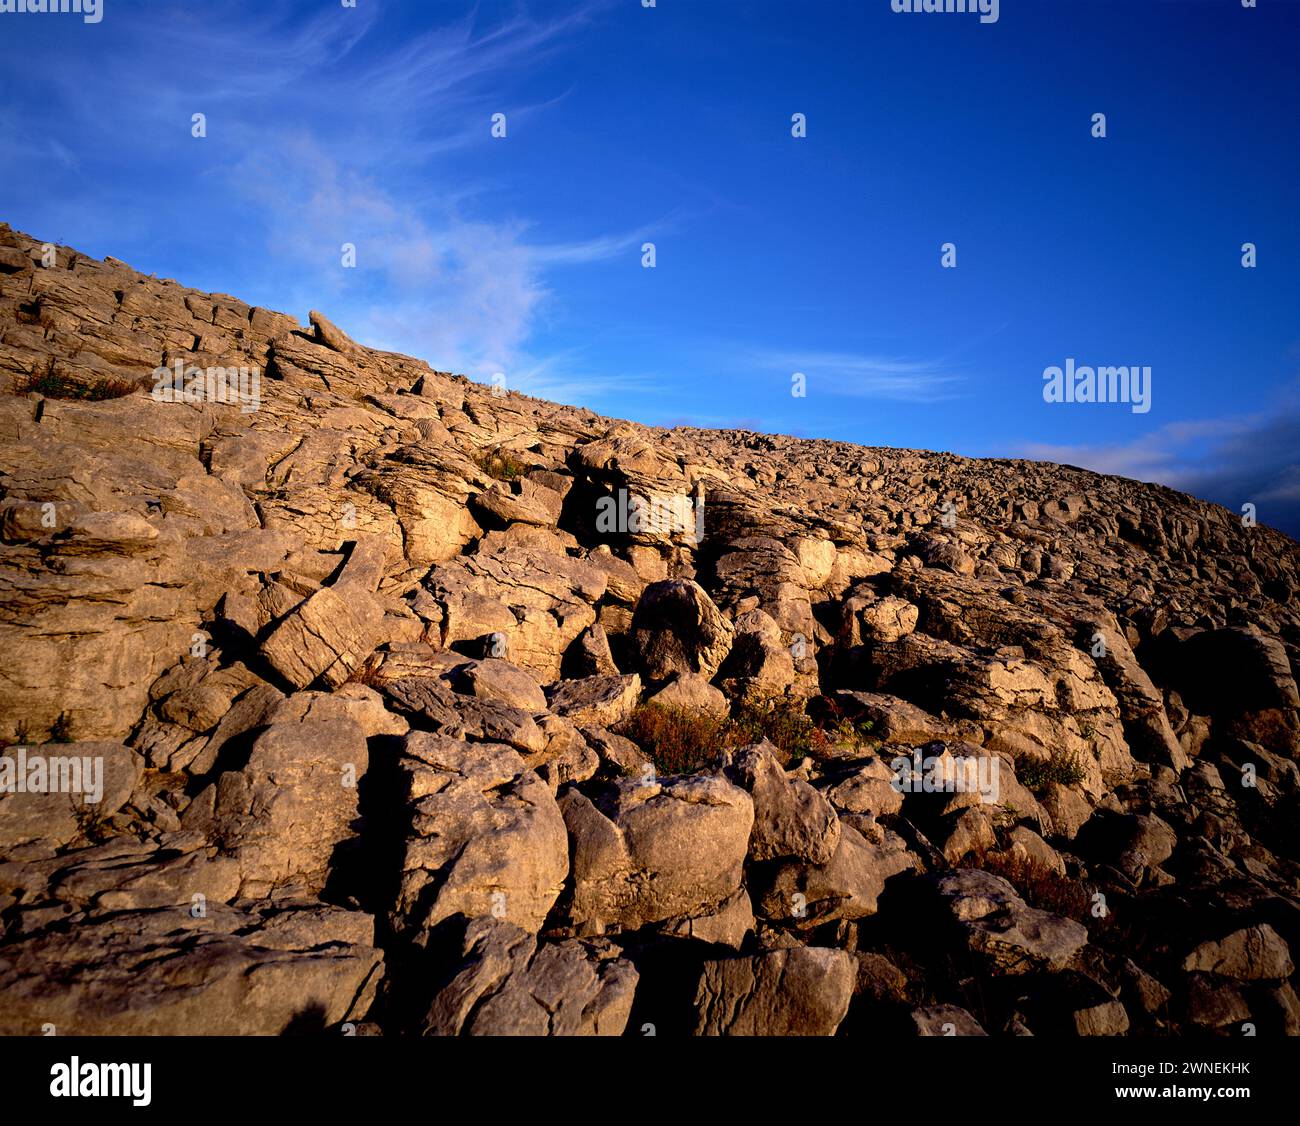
{"points": [[93, 825], [500, 464], [781, 720], [1005, 816], [366, 673], [61, 729], [835, 733], [678, 741], [846, 735], [1037, 884], [1063, 768], [52, 385]]}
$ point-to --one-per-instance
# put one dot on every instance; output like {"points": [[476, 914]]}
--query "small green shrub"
{"points": [[845, 735], [1065, 769], [782, 720], [835, 733]]}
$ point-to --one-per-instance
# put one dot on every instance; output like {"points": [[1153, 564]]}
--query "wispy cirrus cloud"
{"points": [[444, 273], [861, 375], [1172, 454], [564, 377], [434, 281], [321, 133], [602, 247]]}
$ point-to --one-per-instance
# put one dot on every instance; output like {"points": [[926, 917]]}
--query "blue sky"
{"points": [[672, 125]]}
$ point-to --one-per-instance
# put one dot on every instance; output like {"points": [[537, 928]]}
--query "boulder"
{"points": [[325, 638], [509, 984], [500, 680], [170, 973], [486, 837], [801, 991], [656, 850], [596, 701], [791, 819], [293, 803], [1255, 953], [945, 1020], [692, 693], [676, 628], [998, 925], [803, 895]]}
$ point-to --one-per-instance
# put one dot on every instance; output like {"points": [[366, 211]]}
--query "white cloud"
{"points": [[440, 272], [462, 293], [864, 376]]}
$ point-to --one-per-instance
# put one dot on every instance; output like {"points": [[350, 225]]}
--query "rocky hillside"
{"points": [[414, 705]]}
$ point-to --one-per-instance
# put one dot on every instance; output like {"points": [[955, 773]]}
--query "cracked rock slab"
{"points": [[325, 638], [509, 984], [800, 991], [166, 973], [282, 816], [656, 850], [596, 701], [486, 837], [998, 924], [1255, 953]]}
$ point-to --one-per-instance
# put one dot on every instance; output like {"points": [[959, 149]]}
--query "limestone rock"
{"points": [[1250, 954], [1001, 927], [791, 819], [509, 985], [57, 791], [486, 837], [847, 886], [692, 693], [678, 629], [325, 638], [658, 850], [802, 991], [380, 563], [597, 701], [150, 973], [283, 815], [946, 1020]]}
